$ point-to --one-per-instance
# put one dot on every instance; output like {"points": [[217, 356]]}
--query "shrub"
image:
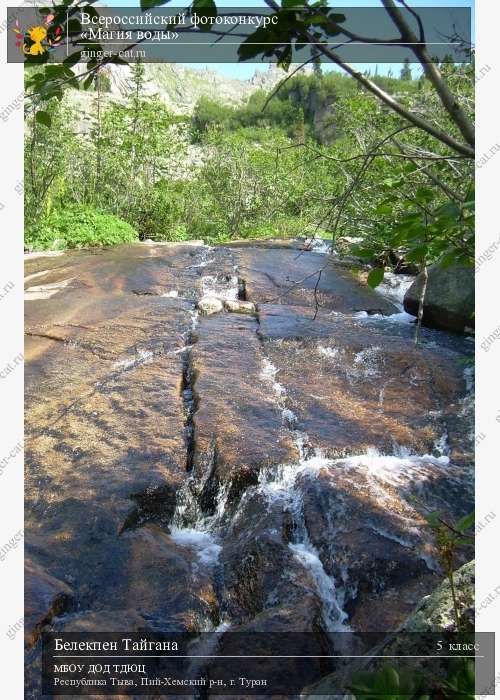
{"points": [[162, 211], [78, 227]]}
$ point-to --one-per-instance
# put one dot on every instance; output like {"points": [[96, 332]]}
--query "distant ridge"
{"points": [[180, 87]]}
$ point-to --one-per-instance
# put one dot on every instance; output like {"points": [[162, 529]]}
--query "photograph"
{"points": [[249, 362]]}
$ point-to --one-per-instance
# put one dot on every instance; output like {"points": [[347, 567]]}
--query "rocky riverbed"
{"points": [[265, 467]]}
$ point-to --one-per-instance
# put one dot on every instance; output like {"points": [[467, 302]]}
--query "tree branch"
{"points": [[432, 176], [412, 117], [433, 74], [465, 149]]}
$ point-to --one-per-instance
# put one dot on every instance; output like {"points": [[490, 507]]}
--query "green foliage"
{"points": [[450, 537], [406, 70], [292, 109], [401, 208], [321, 156], [389, 683], [43, 118], [254, 182], [102, 82], [120, 165], [165, 211], [284, 114], [461, 680], [210, 113], [78, 227], [375, 277], [385, 684]]}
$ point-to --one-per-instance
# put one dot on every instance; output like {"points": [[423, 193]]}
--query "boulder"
{"points": [[449, 297], [433, 614], [238, 427], [261, 470], [239, 307], [435, 611], [210, 305]]}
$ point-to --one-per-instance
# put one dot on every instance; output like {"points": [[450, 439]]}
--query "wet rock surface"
{"points": [[265, 468], [304, 278], [236, 425], [360, 389]]}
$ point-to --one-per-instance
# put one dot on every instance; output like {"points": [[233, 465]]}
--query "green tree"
{"points": [[405, 73], [47, 154]]}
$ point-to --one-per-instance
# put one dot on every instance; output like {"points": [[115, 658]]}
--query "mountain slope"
{"points": [[180, 87]]}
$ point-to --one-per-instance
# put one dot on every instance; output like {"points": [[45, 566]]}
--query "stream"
{"points": [[265, 468]]}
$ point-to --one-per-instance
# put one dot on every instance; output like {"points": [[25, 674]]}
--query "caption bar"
{"points": [[228, 35]]}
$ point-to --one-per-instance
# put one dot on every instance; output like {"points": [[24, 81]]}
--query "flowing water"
{"points": [[359, 432], [282, 486]]}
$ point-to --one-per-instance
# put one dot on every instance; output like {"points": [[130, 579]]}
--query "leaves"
{"points": [[78, 226], [43, 118], [388, 683], [148, 4], [363, 252], [205, 8], [375, 277], [383, 209], [293, 25], [276, 39], [72, 59], [336, 17], [424, 195], [417, 254], [466, 522], [433, 520], [87, 83], [74, 26], [461, 680], [395, 214], [448, 259]]}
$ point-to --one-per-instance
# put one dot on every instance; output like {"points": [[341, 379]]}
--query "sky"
{"points": [[245, 71]]}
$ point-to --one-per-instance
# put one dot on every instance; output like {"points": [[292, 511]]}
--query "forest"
{"points": [[316, 156]]}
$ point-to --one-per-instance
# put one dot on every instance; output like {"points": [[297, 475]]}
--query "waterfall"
{"points": [[281, 482]]}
